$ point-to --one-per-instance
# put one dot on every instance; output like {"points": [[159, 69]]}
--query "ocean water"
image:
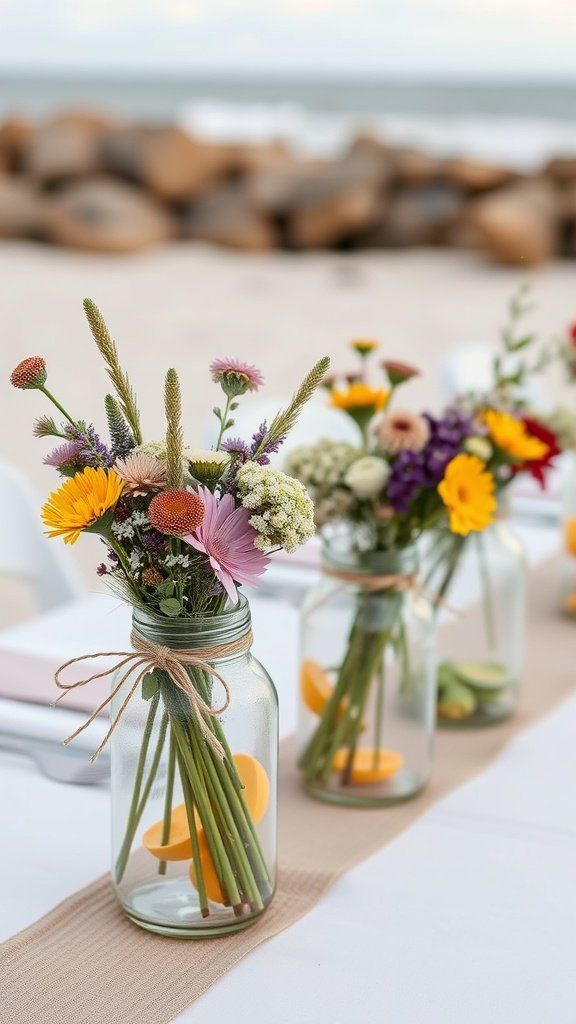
{"points": [[520, 123]]}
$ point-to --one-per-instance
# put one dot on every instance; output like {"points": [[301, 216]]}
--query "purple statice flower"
{"points": [[92, 451], [66, 458], [413, 472], [102, 569], [237, 448], [112, 556], [270, 448]]}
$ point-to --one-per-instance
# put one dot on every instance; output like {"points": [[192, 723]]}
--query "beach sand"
{"points": [[185, 304]]}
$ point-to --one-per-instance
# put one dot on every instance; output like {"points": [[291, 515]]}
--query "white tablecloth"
{"points": [[469, 917]]}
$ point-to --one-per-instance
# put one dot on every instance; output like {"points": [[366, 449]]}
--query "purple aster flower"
{"points": [[236, 448], [413, 472], [92, 451], [234, 374], [66, 458], [152, 540], [102, 570]]}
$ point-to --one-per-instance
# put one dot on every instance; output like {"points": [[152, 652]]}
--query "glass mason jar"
{"points": [[481, 652], [368, 676], [568, 559], [194, 833]]}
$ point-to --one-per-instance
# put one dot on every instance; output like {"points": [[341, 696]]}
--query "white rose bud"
{"points": [[367, 476], [479, 446]]}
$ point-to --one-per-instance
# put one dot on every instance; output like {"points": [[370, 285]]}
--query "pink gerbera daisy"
{"points": [[227, 538], [236, 377]]}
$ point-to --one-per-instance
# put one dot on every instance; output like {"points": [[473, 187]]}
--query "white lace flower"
{"points": [[283, 513]]}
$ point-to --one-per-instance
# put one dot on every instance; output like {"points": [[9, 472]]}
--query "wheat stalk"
{"points": [[284, 421], [174, 436], [117, 375]]}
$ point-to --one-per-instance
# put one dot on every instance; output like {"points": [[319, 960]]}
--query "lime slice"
{"points": [[456, 701], [484, 676]]}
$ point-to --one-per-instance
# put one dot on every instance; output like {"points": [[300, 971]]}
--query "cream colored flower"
{"points": [[206, 465], [402, 431], [367, 476], [281, 509], [141, 473], [479, 446]]}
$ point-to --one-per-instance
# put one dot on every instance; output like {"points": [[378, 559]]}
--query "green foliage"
{"points": [[121, 436]]}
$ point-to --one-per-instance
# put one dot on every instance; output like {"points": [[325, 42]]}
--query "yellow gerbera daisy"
{"points": [[467, 490], [510, 434], [363, 346], [359, 396], [81, 502]]}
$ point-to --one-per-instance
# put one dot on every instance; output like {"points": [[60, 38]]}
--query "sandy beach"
{"points": [[184, 304]]}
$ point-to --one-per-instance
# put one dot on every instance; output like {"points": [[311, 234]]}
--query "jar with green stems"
{"points": [[193, 792], [479, 582], [368, 675]]}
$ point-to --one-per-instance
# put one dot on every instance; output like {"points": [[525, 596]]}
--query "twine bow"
{"points": [[392, 581], [143, 659]]}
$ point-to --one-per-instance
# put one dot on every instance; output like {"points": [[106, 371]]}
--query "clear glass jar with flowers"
{"points": [[193, 729], [480, 669], [368, 630]]}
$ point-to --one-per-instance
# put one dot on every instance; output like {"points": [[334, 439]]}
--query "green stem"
{"points": [[55, 402], [189, 803], [379, 712], [168, 799], [487, 604], [224, 421], [130, 824]]}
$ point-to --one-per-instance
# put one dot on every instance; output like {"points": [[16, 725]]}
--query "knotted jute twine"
{"points": [[143, 659]]}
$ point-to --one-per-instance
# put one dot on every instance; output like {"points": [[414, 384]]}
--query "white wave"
{"points": [[524, 142]]}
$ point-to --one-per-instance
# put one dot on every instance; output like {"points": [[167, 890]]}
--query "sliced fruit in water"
{"points": [[486, 676], [179, 845], [456, 701], [315, 686], [369, 765], [256, 794]]}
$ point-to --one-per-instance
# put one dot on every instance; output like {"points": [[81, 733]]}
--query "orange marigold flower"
{"points": [[176, 512], [30, 373]]}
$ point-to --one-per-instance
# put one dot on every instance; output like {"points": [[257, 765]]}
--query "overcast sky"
{"points": [[522, 38]]}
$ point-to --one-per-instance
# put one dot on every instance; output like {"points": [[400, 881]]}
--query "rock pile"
{"points": [[80, 180]]}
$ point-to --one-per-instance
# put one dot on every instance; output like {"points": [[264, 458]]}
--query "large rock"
{"points": [[227, 216], [66, 147], [561, 169], [517, 225], [14, 135], [413, 167], [475, 176], [168, 161], [19, 208], [422, 215], [104, 215]]}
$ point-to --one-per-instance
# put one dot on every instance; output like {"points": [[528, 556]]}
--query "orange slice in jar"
{"points": [[570, 535], [315, 686], [369, 766], [256, 793]]}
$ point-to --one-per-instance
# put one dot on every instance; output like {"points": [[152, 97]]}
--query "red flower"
{"points": [[538, 467], [572, 333]]}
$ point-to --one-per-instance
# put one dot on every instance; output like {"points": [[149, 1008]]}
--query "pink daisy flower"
{"points": [[236, 377], [226, 537]]}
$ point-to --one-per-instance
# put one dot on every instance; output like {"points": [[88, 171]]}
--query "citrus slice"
{"points": [[483, 676], [367, 768], [213, 890], [256, 785], [179, 845], [315, 686], [570, 602], [456, 701], [570, 535]]}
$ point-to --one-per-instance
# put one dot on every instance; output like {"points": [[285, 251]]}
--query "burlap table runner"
{"points": [[84, 962]]}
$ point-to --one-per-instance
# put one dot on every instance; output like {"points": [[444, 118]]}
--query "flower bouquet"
{"points": [[194, 715], [479, 676], [368, 672]]}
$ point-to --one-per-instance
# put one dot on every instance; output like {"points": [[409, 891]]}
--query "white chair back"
{"points": [[25, 552]]}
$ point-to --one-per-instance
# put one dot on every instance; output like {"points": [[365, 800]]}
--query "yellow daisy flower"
{"points": [[81, 502], [359, 396], [363, 346], [467, 491], [510, 434]]}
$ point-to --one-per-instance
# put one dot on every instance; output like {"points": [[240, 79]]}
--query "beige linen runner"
{"points": [[85, 962]]}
